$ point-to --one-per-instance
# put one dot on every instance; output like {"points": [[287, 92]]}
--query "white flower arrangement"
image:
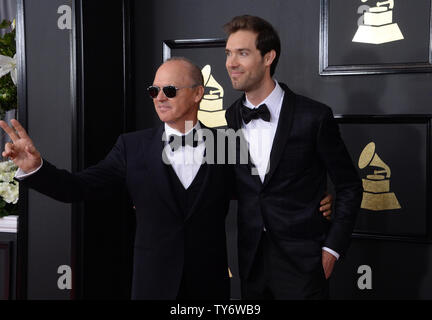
{"points": [[9, 190], [8, 68]]}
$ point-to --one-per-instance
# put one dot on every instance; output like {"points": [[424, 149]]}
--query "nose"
{"points": [[231, 61], [161, 96]]}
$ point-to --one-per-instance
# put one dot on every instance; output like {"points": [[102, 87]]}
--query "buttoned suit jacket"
{"points": [[307, 147]]}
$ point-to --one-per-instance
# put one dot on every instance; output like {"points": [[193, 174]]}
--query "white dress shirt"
{"points": [[187, 160], [260, 134]]}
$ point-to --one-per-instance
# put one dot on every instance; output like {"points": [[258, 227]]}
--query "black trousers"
{"points": [[287, 270], [193, 287]]}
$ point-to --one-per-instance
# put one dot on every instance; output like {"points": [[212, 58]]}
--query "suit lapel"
{"points": [[200, 194], [233, 116], [159, 172], [282, 132]]}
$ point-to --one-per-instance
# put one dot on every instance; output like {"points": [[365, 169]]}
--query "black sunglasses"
{"points": [[169, 91]]}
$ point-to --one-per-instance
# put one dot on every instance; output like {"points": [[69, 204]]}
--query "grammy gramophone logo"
{"points": [[211, 111], [378, 26], [376, 187]]}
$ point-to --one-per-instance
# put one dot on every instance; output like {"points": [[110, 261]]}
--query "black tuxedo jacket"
{"points": [[307, 146], [167, 241]]}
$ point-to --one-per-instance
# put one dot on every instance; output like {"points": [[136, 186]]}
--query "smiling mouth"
{"points": [[236, 74]]}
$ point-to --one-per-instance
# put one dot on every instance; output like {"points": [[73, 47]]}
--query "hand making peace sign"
{"points": [[21, 151]]}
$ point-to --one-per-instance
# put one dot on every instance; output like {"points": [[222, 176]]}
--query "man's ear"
{"points": [[199, 93], [269, 57]]}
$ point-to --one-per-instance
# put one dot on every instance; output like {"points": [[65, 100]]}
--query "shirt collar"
{"points": [[169, 131], [273, 100]]}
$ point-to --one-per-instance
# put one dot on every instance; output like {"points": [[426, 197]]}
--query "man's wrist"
{"points": [[332, 252], [21, 174]]}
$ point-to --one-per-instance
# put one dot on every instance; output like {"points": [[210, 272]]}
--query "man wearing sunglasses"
{"points": [[181, 204], [286, 250], [181, 201]]}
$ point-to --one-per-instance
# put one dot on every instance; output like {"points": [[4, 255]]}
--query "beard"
{"points": [[248, 84], [249, 81], [237, 85]]}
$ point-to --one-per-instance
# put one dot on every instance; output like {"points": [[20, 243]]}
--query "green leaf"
{"points": [[5, 24]]}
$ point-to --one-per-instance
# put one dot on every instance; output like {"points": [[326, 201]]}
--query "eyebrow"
{"points": [[240, 49]]}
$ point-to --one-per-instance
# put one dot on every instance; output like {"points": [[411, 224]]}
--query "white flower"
{"points": [[9, 191], [7, 176], [8, 64], [8, 166], [3, 187]]}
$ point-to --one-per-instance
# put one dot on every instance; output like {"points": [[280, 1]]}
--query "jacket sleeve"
{"points": [[347, 183], [100, 180]]}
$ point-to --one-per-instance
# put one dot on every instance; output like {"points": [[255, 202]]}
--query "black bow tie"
{"points": [[175, 141], [250, 114]]}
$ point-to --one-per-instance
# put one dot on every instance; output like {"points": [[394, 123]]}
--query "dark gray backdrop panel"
{"points": [[49, 119]]}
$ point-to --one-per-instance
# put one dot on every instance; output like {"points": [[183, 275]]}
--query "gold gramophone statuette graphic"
{"points": [[211, 111], [376, 187], [378, 25]]}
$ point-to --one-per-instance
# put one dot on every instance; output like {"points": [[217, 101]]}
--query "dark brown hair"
{"points": [[267, 38]]}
